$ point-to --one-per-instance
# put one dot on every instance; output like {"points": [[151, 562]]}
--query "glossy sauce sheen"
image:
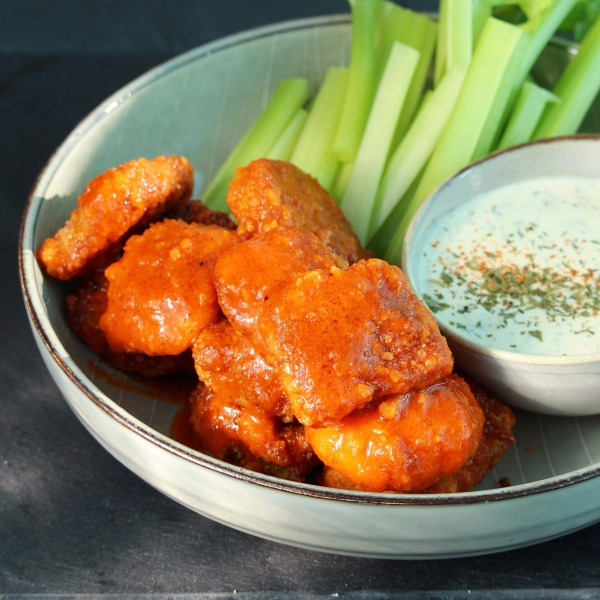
{"points": [[518, 268]]}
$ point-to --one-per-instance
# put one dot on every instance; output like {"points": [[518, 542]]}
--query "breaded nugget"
{"points": [[247, 437], [271, 193], [499, 420], [405, 443], [248, 274], [87, 304], [342, 338], [161, 292], [195, 211], [231, 366], [112, 206]]}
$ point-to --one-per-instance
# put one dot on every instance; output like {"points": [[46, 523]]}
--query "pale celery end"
{"points": [[526, 114]]}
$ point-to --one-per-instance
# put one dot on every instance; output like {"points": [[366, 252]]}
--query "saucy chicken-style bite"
{"points": [[161, 292], [248, 274], [497, 435], [272, 193], [86, 304], [111, 207], [342, 338], [246, 436], [406, 443], [231, 366]]}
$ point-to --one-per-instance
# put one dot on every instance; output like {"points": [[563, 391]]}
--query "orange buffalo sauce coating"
{"points": [[86, 305], [128, 196], [246, 436], [342, 338], [499, 420], [231, 366], [161, 292], [272, 193], [248, 274], [406, 443]]}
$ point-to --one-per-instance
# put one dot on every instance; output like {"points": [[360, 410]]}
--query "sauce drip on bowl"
{"points": [[518, 268]]}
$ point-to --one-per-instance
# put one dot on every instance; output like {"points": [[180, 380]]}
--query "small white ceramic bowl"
{"points": [[557, 385], [198, 105]]}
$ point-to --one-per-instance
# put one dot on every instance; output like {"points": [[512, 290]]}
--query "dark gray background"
{"points": [[72, 519]]}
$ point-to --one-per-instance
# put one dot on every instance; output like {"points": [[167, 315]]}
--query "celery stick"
{"points": [[482, 10], [284, 146], [441, 53], [460, 33], [417, 145], [389, 30], [544, 19], [316, 138], [382, 238], [342, 177], [577, 88], [361, 82], [289, 96], [475, 118], [328, 172], [422, 37], [358, 200], [526, 114]]}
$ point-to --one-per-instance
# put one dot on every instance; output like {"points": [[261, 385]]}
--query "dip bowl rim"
{"points": [[410, 259]]}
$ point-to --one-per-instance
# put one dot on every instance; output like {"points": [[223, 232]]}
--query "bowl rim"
{"points": [[408, 259], [49, 342]]}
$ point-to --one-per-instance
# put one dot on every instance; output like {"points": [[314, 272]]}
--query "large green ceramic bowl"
{"points": [[199, 105]]}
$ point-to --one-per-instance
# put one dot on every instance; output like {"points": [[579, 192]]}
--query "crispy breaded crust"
{"points": [[231, 366], [161, 292], [495, 439], [342, 338], [406, 442], [248, 274], [271, 193], [87, 304], [111, 207], [245, 436], [499, 420]]}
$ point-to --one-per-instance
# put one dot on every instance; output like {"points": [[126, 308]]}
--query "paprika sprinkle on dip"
{"points": [[518, 268]]}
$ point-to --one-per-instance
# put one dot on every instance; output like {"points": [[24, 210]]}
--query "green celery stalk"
{"points": [[441, 52], [417, 145], [328, 172], [382, 238], [420, 33], [360, 194], [482, 10], [289, 96], [340, 183], [361, 83], [284, 146], [544, 20], [460, 34], [577, 88], [455, 37], [316, 139], [526, 114], [475, 118]]}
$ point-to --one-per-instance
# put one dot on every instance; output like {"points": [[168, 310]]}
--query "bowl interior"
{"points": [[199, 105]]}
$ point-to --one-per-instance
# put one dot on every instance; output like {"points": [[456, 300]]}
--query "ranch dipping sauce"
{"points": [[518, 268]]}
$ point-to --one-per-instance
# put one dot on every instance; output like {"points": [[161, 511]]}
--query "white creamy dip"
{"points": [[518, 268]]}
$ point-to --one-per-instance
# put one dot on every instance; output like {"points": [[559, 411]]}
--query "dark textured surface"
{"points": [[72, 519]]}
